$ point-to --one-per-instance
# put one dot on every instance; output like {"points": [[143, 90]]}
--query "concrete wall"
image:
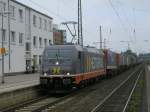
{"points": [[17, 52], [18, 96]]}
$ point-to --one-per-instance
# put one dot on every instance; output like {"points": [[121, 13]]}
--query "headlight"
{"points": [[45, 74], [68, 73], [57, 63]]}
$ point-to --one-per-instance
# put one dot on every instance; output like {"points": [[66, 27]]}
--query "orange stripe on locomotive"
{"points": [[89, 75]]}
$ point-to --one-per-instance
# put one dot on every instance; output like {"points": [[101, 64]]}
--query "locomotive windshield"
{"points": [[58, 53], [60, 56]]}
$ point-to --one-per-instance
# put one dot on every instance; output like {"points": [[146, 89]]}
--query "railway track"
{"points": [[118, 99], [50, 102], [14, 107], [40, 104]]}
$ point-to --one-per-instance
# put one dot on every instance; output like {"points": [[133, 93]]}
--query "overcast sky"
{"points": [[122, 20]]}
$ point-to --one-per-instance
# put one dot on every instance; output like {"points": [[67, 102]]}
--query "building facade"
{"points": [[26, 32], [59, 36]]}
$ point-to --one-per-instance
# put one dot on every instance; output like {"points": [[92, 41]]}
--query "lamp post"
{"points": [[3, 49]]}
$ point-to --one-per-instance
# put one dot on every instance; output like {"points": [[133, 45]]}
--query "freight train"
{"points": [[68, 66], [116, 63]]}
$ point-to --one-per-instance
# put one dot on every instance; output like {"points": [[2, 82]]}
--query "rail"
{"points": [[131, 92], [96, 108]]}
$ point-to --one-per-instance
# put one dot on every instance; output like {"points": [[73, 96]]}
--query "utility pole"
{"points": [[101, 43], [80, 33], [104, 43], [3, 49], [2, 14], [9, 36]]}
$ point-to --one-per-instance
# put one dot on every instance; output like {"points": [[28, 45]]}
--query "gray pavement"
{"points": [[19, 81]]}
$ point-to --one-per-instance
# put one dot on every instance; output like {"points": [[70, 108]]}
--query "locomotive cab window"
{"points": [[79, 55]]}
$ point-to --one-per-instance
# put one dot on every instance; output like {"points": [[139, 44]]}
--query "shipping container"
{"points": [[110, 59], [118, 59], [129, 58]]}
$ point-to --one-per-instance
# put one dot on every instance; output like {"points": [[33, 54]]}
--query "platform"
{"points": [[148, 85], [18, 82]]}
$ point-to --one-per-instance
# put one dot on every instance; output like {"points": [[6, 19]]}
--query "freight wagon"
{"points": [[129, 59], [112, 62], [116, 63]]}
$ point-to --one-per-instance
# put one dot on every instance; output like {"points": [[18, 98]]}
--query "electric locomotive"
{"points": [[68, 66]]}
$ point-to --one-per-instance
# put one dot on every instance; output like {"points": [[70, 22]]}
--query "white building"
{"points": [[26, 32]]}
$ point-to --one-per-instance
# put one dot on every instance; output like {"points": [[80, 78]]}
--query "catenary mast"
{"points": [[80, 29]]}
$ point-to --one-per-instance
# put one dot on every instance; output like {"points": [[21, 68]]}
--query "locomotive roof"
{"points": [[69, 47], [92, 50], [77, 47]]}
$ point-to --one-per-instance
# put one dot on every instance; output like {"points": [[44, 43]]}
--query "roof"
{"points": [[69, 47], [92, 50], [31, 9]]}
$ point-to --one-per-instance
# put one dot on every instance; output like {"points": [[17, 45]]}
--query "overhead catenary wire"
{"points": [[119, 18], [125, 15], [131, 27], [134, 29], [126, 18], [117, 14], [122, 24]]}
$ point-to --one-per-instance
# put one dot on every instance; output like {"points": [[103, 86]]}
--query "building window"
{"points": [[40, 60], [35, 41], [45, 24], [28, 47], [21, 15], [4, 35], [40, 42], [40, 19], [34, 60], [13, 38], [45, 42], [50, 42], [50, 26], [12, 9], [20, 38], [34, 20], [3, 6]]}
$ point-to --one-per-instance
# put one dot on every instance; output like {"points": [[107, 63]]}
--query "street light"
{"points": [[3, 53]]}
